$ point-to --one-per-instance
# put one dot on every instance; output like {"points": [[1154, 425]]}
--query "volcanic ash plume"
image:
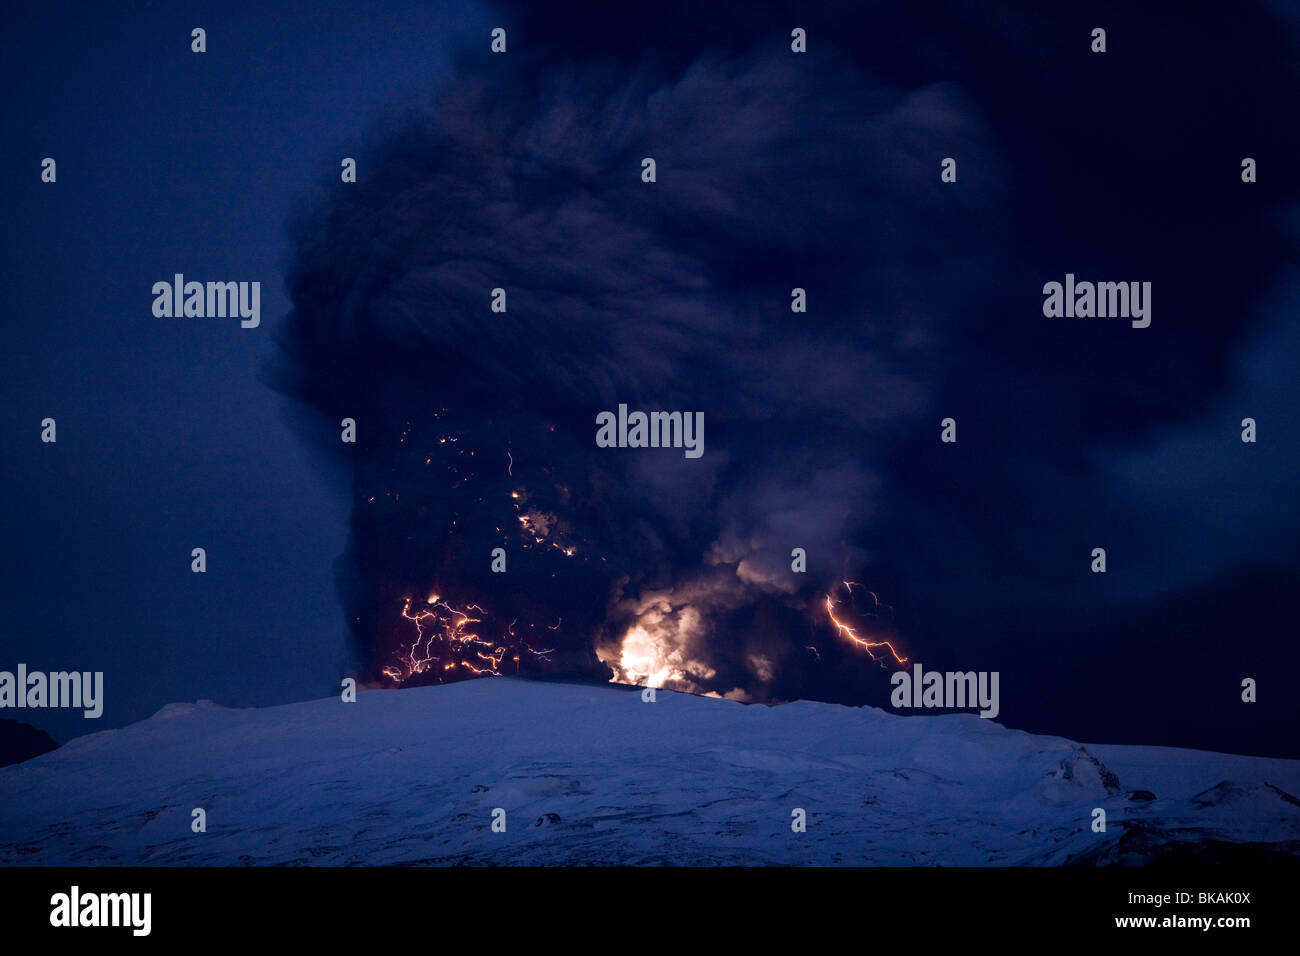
{"points": [[475, 427]]}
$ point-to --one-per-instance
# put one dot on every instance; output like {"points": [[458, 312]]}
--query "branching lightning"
{"points": [[852, 633], [446, 638]]}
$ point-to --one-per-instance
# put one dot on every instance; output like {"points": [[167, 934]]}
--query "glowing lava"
{"points": [[655, 651]]}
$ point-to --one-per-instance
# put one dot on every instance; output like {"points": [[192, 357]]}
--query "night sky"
{"points": [[774, 171]]}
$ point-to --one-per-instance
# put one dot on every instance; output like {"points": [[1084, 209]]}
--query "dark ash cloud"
{"points": [[777, 171]]}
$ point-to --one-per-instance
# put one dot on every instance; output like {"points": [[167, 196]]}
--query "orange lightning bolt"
{"points": [[852, 634]]}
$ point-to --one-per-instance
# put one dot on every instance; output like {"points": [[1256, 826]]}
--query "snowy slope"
{"points": [[596, 775]]}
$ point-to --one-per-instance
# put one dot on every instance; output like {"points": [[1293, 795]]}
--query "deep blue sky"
{"points": [[168, 439], [1115, 167]]}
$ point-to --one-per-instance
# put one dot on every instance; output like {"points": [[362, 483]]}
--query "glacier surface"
{"points": [[595, 775]]}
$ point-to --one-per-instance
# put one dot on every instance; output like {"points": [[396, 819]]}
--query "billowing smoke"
{"points": [[774, 172], [476, 428]]}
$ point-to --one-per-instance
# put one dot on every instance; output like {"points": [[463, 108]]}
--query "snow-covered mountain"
{"points": [[597, 775]]}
